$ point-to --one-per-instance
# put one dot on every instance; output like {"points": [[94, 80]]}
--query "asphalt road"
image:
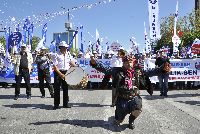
{"points": [[90, 113]]}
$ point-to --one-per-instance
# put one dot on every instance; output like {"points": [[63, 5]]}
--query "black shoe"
{"points": [[42, 96], [112, 105], [16, 97], [28, 97], [161, 94], [52, 95], [165, 95], [131, 126], [131, 122], [66, 106], [55, 107]]}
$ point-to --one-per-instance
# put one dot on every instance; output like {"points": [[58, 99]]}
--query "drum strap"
{"points": [[63, 72]]}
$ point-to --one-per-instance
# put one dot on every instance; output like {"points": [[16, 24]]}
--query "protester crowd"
{"points": [[113, 57]]}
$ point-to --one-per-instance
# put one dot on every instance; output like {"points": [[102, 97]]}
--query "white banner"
{"points": [[182, 69], [93, 74], [153, 19]]}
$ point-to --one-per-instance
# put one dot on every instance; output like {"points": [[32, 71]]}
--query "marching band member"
{"points": [[22, 68], [43, 64], [61, 64]]}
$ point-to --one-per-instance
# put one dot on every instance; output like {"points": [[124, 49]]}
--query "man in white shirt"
{"points": [[63, 61]]}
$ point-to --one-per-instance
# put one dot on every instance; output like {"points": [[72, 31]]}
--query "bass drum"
{"points": [[76, 78]]}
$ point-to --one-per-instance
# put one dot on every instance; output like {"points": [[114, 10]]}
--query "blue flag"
{"points": [[44, 33], [53, 46]]}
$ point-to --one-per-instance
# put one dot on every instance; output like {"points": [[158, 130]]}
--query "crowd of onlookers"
{"points": [[110, 55]]}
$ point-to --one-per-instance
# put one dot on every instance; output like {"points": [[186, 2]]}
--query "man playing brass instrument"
{"points": [[43, 64]]}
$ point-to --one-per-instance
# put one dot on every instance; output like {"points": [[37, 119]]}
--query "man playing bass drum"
{"points": [[62, 62]]}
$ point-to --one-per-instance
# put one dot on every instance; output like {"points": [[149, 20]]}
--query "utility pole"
{"points": [[197, 4], [68, 26], [197, 12]]}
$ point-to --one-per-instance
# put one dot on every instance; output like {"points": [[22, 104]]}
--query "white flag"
{"points": [[147, 42], [97, 35], [7, 59], [97, 42], [176, 18], [153, 19]]}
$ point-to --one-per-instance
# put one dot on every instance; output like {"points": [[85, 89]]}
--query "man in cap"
{"points": [[95, 54], [43, 61], [80, 54], [22, 67], [63, 61], [106, 55]]}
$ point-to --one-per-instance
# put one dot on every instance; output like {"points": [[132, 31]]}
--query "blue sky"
{"points": [[118, 20]]}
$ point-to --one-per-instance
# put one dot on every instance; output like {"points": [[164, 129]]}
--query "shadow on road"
{"points": [[154, 97], [190, 102], [6, 96], [86, 105], [33, 106], [12, 96], [89, 124]]}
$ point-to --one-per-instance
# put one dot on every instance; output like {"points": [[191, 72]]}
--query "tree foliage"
{"points": [[188, 29], [35, 42], [3, 41]]}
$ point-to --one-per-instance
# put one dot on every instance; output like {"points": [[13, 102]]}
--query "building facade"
{"points": [[68, 36]]}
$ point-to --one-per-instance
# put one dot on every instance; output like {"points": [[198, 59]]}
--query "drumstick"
{"points": [[70, 72]]}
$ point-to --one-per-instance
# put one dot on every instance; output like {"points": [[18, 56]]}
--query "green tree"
{"points": [[188, 28], [3, 41], [72, 50], [35, 41]]}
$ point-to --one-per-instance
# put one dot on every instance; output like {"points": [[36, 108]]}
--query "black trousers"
{"points": [[18, 78], [124, 107], [59, 82], [45, 75]]}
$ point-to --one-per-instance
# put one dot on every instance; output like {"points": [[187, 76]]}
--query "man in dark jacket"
{"points": [[127, 83], [163, 76]]}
